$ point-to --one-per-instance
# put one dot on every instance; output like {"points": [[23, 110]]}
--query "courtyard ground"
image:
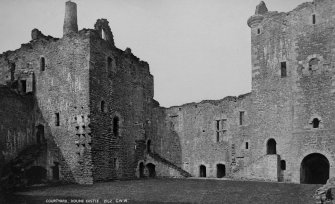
{"points": [[171, 191]]}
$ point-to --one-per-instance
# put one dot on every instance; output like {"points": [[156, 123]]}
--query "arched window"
{"points": [[42, 64], [315, 123], [271, 147], [116, 126]]}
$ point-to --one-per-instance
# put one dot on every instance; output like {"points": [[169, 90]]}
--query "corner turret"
{"points": [[256, 19]]}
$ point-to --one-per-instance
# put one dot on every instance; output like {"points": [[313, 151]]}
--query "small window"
{"points": [[283, 165], [241, 117], [218, 125], [258, 31], [23, 86], [316, 123], [103, 34], [283, 71], [313, 19], [313, 64], [109, 63], [217, 136], [116, 126], [102, 106], [57, 122], [42, 64], [246, 145]]}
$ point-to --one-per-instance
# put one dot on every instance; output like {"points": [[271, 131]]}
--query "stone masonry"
{"points": [[89, 107]]}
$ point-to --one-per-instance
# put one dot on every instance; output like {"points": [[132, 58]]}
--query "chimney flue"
{"points": [[70, 20]]}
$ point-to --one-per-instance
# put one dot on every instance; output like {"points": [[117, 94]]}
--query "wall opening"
{"points": [[247, 145], [220, 170], [40, 134], [314, 169], [36, 175], [103, 34], [57, 120], [313, 64], [23, 86], [102, 106], [283, 165], [315, 123], [116, 126], [202, 171], [141, 170], [55, 171], [12, 71], [149, 146], [241, 117], [313, 19], [258, 31], [283, 72], [151, 169], [271, 147], [42, 64]]}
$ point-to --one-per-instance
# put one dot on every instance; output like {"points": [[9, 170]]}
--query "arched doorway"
{"points": [[149, 146], [220, 170], [202, 171], [151, 169], [314, 169], [271, 147], [141, 170], [36, 175]]}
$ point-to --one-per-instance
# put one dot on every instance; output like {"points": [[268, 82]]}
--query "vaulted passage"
{"points": [[220, 170], [151, 169], [314, 169], [202, 170]]}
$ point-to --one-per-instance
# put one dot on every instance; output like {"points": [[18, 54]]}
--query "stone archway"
{"points": [[151, 170], [314, 169]]}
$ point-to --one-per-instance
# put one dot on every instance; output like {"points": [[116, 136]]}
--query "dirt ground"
{"points": [[170, 191]]}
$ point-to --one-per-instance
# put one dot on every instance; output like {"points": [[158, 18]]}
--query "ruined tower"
{"points": [[70, 20]]}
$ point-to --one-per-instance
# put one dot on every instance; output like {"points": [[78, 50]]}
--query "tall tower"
{"points": [[70, 20]]}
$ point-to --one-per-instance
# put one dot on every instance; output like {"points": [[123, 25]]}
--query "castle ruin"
{"points": [[78, 109]]}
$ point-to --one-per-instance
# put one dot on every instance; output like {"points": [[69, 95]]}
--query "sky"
{"points": [[196, 49]]}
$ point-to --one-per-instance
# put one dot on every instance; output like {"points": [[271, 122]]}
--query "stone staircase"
{"points": [[13, 172], [164, 161]]}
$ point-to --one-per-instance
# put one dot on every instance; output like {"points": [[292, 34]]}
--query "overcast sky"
{"points": [[197, 49]]}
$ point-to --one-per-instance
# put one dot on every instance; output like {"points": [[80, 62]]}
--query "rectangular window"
{"points": [[246, 145], [57, 123], [217, 136], [314, 19], [283, 71], [217, 125], [241, 117]]}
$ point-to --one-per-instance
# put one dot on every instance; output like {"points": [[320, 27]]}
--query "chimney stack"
{"points": [[70, 20]]}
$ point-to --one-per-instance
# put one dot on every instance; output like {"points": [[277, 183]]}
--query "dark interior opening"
{"points": [[36, 175], [220, 170], [314, 169], [116, 126], [151, 169], [283, 165], [271, 147], [55, 171], [42, 64], [316, 123], [40, 134], [202, 171], [141, 170], [24, 86], [149, 146]]}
